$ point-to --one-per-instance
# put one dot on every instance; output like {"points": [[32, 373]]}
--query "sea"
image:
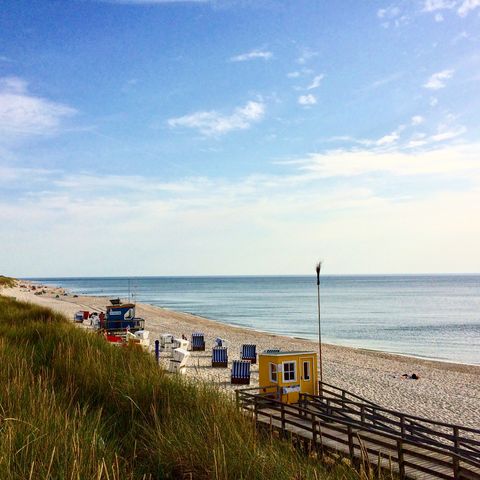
{"points": [[429, 316]]}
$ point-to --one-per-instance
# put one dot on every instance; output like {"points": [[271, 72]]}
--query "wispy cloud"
{"points": [[467, 6], [389, 12], [417, 120], [306, 56], [214, 123], [434, 5], [392, 15], [388, 139], [437, 80], [385, 80], [254, 54], [258, 212], [307, 100], [316, 82], [22, 113]]}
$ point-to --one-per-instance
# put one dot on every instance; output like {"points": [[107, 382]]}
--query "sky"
{"points": [[249, 137]]}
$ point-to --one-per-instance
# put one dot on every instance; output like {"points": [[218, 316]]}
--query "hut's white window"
{"points": [[273, 372], [306, 370], [289, 372]]}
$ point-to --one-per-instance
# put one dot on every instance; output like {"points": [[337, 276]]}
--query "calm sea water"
{"points": [[430, 316]]}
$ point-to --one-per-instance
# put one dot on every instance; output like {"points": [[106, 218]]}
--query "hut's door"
{"points": [[306, 375]]}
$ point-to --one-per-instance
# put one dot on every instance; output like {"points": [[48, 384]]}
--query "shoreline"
{"points": [[266, 332], [445, 391]]}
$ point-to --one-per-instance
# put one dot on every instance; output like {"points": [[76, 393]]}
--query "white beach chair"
{"points": [[166, 342], [181, 343], [179, 361], [143, 336]]}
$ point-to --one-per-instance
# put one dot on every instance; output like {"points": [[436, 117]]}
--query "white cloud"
{"points": [[293, 74], [439, 17], [306, 56], [450, 159], [212, 123], [389, 12], [388, 139], [447, 132], [433, 102], [417, 120], [434, 5], [288, 217], [254, 54], [22, 113], [308, 99], [316, 82], [467, 6], [437, 80]]}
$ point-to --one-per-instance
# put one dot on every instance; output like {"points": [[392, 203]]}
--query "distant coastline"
{"points": [[434, 317]]}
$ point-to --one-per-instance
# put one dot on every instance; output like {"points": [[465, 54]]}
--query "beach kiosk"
{"points": [[292, 372]]}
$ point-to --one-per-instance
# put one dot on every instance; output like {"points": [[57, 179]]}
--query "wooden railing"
{"points": [[455, 438], [411, 444]]}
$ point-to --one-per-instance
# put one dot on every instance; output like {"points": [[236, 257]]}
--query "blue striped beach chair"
{"points": [[198, 342], [249, 352], [219, 357], [240, 372]]}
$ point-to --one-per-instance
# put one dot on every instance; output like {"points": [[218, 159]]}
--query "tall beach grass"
{"points": [[74, 407]]}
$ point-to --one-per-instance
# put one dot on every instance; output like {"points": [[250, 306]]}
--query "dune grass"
{"points": [[7, 282], [74, 407]]}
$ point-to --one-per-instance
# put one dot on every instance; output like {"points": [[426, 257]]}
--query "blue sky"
{"points": [[155, 137]]}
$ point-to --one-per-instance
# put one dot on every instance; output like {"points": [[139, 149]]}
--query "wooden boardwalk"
{"points": [[338, 421]]}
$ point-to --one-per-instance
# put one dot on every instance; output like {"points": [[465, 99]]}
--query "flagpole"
{"points": [[317, 269]]}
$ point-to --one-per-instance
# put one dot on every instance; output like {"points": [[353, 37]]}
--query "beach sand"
{"points": [[446, 392]]}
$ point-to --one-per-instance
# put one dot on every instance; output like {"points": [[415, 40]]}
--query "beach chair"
{"points": [[249, 352], [240, 372], [198, 342], [166, 342], [219, 357], [179, 361], [181, 343]]}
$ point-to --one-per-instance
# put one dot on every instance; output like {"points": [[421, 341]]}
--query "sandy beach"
{"points": [[446, 392]]}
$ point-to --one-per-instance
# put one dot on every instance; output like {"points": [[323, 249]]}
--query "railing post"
{"points": [[362, 413], [402, 425], [456, 464], [351, 447], [401, 464], [237, 399], [314, 432], [282, 414], [255, 408]]}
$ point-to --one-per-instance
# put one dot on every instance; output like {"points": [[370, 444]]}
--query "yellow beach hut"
{"points": [[292, 372]]}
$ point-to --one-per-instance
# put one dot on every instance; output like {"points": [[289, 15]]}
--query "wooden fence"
{"points": [[338, 420]]}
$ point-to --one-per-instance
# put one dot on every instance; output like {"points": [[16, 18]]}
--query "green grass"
{"points": [[7, 282], [74, 407]]}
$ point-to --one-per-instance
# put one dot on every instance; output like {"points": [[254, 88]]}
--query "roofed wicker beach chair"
{"points": [[240, 372], [219, 357], [198, 342], [249, 352]]}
